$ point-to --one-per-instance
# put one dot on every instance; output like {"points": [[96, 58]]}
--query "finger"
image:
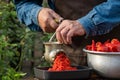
{"points": [[45, 27], [53, 24], [69, 36], [48, 29], [55, 15], [61, 26], [58, 19], [58, 33], [64, 34], [59, 37]]}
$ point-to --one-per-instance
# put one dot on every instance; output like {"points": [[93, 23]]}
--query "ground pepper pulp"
{"points": [[61, 63]]}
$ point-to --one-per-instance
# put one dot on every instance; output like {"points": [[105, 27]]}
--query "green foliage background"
{"points": [[14, 37], [16, 42]]}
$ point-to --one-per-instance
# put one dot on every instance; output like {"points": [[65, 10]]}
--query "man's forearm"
{"points": [[27, 11], [102, 19]]}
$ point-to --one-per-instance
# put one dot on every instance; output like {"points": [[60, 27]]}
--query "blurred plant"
{"points": [[15, 41], [46, 37], [7, 53]]}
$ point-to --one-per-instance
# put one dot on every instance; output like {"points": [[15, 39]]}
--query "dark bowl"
{"points": [[82, 73]]}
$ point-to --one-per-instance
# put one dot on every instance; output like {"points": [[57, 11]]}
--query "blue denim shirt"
{"points": [[100, 20]]}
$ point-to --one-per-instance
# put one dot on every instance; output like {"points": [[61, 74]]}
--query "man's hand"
{"points": [[47, 20], [67, 29]]}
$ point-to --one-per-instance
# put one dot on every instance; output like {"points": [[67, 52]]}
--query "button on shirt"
{"points": [[100, 20]]}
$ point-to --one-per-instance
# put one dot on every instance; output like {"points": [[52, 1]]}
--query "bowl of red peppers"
{"points": [[62, 70], [104, 58]]}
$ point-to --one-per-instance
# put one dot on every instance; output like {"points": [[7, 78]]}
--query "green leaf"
{"points": [[20, 74], [6, 78]]}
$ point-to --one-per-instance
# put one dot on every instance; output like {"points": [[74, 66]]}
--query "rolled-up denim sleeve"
{"points": [[27, 11], [102, 18]]}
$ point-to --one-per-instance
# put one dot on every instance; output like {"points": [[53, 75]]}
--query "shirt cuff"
{"points": [[34, 12], [88, 25]]}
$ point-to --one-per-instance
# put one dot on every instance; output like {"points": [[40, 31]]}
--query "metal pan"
{"points": [[42, 73]]}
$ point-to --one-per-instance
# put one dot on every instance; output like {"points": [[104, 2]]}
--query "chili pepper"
{"points": [[93, 45], [115, 41], [108, 46]]}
